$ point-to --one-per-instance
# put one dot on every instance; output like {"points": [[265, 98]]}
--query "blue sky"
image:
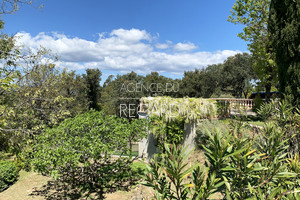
{"points": [[117, 36]]}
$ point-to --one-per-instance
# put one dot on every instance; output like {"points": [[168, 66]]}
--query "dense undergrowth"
{"points": [[242, 161]]}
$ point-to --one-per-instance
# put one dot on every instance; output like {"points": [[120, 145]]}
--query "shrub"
{"points": [[139, 169], [287, 117], [252, 167], [267, 111], [8, 174], [167, 132], [189, 109], [168, 177], [258, 101], [223, 108], [202, 130], [80, 152], [238, 166]]}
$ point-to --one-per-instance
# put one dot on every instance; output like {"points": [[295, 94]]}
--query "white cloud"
{"points": [[185, 46], [133, 35], [123, 50], [162, 46], [166, 45]]}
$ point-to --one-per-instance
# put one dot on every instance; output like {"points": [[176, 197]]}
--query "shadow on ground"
{"points": [[54, 190]]}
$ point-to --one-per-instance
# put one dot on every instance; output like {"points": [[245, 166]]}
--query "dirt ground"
{"points": [[23, 188], [31, 186]]}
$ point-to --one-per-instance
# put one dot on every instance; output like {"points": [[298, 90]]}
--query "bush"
{"points": [[287, 118], [8, 174], [258, 101], [237, 166], [202, 130], [167, 132], [223, 108], [81, 152], [169, 177]]}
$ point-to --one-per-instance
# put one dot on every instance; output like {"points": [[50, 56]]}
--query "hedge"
{"points": [[8, 174]]}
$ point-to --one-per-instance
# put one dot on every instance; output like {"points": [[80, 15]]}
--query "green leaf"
{"points": [[285, 175], [228, 168]]}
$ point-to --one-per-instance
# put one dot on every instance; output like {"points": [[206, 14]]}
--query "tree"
{"points": [[284, 27], [253, 14], [10, 55], [201, 83], [212, 80], [191, 84], [93, 78], [108, 95], [87, 152], [11, 6], [74, 86], [158, 85], [237, 74], [42, 99], [121, 95]]}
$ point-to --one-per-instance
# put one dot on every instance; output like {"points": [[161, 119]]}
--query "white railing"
{"points": [[237, 103]]}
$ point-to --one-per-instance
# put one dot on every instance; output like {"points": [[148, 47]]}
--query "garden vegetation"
{"points": [[65, 125]]}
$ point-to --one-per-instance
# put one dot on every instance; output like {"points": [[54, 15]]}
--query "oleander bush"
{"points": [[8, 174], [168, 176], [287, 117], [238, 166]]}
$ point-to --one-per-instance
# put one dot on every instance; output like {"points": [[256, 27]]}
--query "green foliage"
{"points": [[267, 110], [8, 174], [202, 83], [139, 169], [92, 81], [287, 117], [239, 165], [284, 28], [10, 54], [223, 108], [44, 97], [231, 77], [237, 74], [167, 132], [294, 164], [168, 116], [251, 166], [203, 128], [253, 15], [168, 177], [159, 85], [80, 151], [258, 102], [119, 95]]}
